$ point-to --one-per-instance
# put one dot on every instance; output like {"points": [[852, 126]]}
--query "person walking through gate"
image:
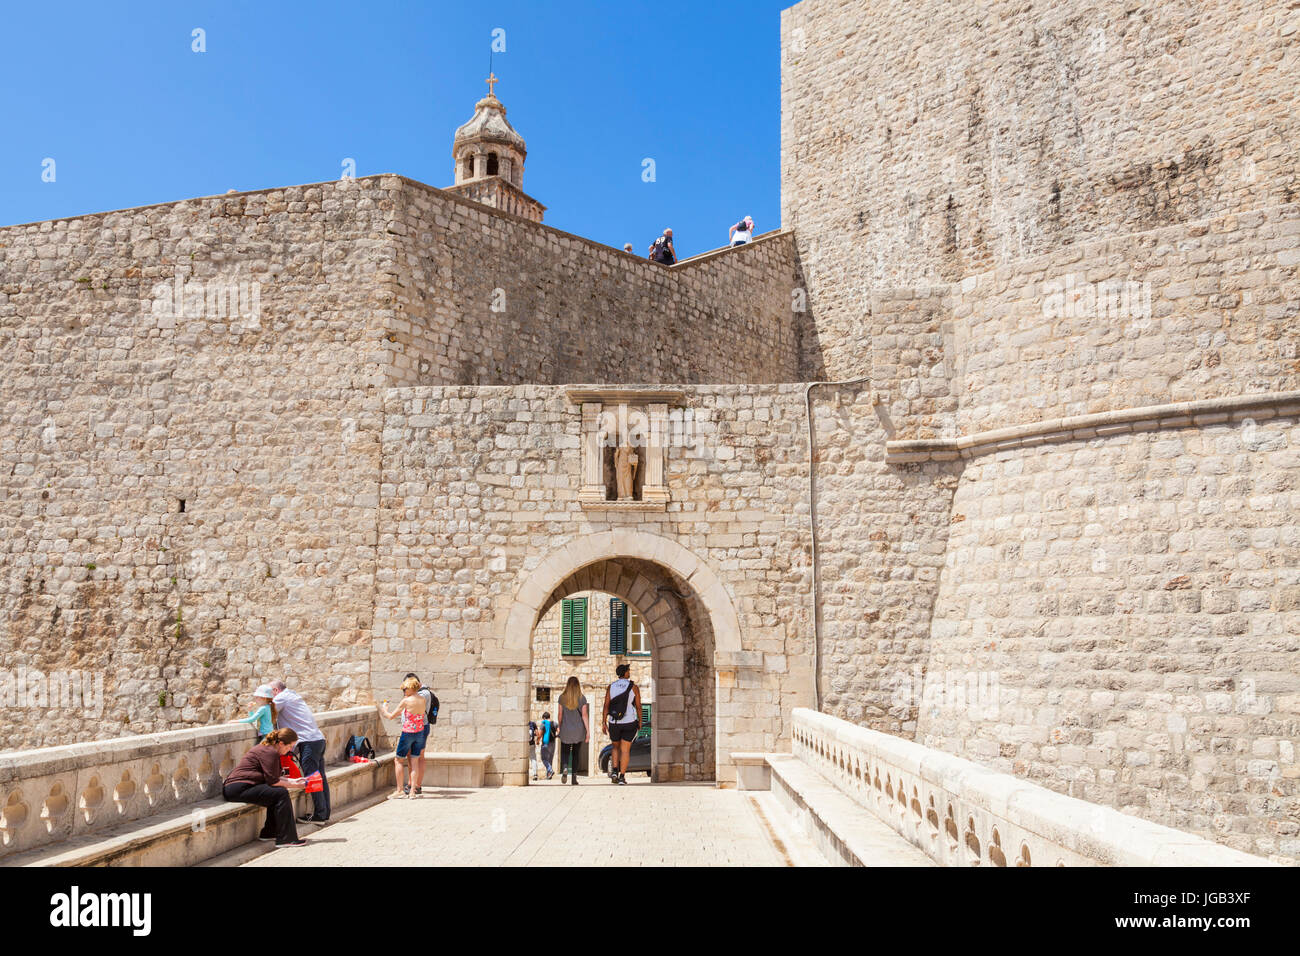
{"points": [[532, 748], [622, 716], [257, 779], [575, 728], [547, 733]]}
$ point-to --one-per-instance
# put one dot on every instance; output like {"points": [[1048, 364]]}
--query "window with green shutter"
{"points": [[617, 626], [645, 721], [573, 627]]}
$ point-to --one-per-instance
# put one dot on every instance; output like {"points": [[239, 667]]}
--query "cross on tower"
{"points": [[491, 80]]}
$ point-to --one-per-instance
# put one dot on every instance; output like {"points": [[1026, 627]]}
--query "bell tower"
{"points": [[489, 160]]}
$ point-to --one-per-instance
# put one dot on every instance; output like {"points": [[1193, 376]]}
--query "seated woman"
{"points": [[256, 779]]}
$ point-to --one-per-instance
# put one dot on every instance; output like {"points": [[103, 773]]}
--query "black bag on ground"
{"points": [[358, 746]]}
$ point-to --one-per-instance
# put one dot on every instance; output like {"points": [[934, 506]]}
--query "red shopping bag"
{"points": [[288, 768], [314, 783]]}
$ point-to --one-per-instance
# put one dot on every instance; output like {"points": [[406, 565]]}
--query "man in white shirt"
{"points": [[292, 712]]}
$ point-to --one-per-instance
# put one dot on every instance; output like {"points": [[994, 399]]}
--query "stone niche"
{"points": [[625, 446]]}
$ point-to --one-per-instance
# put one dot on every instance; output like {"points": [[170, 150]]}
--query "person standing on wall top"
{"points": [[622, 716], [430, 717], [547, 733], [293, 713], [575, 728], [742, 232], [662, 250]]}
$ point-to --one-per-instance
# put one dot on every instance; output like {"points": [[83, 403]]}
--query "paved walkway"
{"points": [[547, 824]]}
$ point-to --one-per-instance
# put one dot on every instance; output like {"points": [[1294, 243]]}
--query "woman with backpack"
{"points": [[547, 733], [411, 742], [575, 729], [257, 778]]}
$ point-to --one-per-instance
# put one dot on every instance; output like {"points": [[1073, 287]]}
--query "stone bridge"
{"points": [[844, 796]]}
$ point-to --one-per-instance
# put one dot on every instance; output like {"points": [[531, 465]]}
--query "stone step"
{"points": [[845, 833]]}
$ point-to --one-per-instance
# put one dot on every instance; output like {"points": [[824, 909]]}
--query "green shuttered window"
{"points": [[573, 627], [617, 626]]}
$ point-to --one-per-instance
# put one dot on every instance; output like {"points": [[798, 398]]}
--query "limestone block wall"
{"points": [[479, 508], [225, 356], [881, 535], [483, 297], [1126, 611], [929, 141], [244, 397], [1204, 309]]}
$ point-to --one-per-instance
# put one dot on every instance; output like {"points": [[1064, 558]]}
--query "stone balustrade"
{"points": [[56, 793], [961, 814]]}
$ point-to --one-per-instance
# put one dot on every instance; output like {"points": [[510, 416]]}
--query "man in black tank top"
{"points": [[622, 719]]}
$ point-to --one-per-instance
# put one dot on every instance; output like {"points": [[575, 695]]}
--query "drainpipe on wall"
{"points": [[812, 518]]}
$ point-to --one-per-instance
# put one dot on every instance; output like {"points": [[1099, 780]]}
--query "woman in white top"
{"points": [[622, 715], [742, 231]]}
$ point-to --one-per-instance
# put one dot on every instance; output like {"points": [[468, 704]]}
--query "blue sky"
{"points": [[113, 93]]}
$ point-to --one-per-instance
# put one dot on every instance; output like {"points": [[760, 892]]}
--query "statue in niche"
{"points": [[625, 462]]}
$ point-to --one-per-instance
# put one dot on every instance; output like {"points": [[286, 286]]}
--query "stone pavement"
{"points": [[547, 824]]}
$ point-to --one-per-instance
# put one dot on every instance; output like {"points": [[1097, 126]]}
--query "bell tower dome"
{"points": [[489, 160]]}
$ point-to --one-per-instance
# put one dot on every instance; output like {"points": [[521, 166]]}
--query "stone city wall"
{"points": [[924, 142], [1117, 619], [224, 356], [1206, 309], [243, 400], [482, 297]]}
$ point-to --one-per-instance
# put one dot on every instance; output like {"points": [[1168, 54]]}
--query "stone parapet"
{"points": [[962, 814], [57, 793]]}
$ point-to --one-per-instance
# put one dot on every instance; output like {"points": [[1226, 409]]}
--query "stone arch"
{"points": [[537, 586], [688, 614]]}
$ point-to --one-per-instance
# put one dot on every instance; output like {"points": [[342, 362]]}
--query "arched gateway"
{"points": [[686, 610]]}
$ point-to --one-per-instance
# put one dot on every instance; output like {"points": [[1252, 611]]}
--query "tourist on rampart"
{"points": [[575, 729], [662, 250], [546, 732], [262, 716], [411, 742], [622, 718], [257, 779], [627, 247], [292, 712], [742, 232]]}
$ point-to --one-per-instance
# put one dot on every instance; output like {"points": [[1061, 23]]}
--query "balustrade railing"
{"points": [[53, 793], [964, 814]]}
